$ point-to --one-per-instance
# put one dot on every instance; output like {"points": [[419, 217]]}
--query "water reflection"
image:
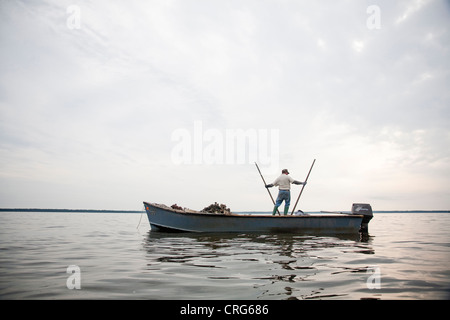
{"points": [[273, 266]]}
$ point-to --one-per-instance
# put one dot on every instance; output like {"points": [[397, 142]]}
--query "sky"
{"points": [[106, 104]]}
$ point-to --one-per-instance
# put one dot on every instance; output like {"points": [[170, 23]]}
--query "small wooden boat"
{"points": [[165, 218]]}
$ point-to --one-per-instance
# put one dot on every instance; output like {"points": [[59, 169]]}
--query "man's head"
{"points": [[285, 171]]}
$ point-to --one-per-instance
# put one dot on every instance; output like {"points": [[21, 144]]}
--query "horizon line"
{"points": [[139, 211]]}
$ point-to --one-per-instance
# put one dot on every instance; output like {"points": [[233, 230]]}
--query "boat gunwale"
{"points": [[240, 216]]}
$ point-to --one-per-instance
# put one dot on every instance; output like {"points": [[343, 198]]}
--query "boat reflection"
{"points": [[277, 266]]}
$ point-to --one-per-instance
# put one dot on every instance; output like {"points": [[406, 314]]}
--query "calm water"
{"points": [[407, 256]]}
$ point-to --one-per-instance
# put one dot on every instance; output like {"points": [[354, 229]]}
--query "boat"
{"points": [[168, 219]]}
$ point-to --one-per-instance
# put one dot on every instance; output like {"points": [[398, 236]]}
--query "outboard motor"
{"points": [[365, 210]]}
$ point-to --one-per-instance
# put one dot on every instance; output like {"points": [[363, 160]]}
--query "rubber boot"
{"points": [[286, 209], [275, 209]]}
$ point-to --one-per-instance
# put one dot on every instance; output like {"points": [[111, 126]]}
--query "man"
{"points": [[284, 185]]}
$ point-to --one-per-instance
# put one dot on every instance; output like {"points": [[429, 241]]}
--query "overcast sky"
{"points": [[97, 98]]}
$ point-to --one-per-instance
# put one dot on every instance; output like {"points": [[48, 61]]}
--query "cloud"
{"points": [[411, 9], [91, 110]]}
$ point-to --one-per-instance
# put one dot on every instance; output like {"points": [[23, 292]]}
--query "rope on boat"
{"points": [[143, 210]]}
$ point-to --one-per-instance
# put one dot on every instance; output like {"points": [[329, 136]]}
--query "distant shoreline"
{"points": [[67, 210], [140, 211]]}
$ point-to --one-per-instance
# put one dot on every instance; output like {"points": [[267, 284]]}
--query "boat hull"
{"points": [[166, 219]]}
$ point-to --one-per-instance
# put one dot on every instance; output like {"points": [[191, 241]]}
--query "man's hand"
{"points": [[298, 182], [270, 185]]}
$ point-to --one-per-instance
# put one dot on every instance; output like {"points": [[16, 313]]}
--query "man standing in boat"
{"points": [[284, 185]]}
